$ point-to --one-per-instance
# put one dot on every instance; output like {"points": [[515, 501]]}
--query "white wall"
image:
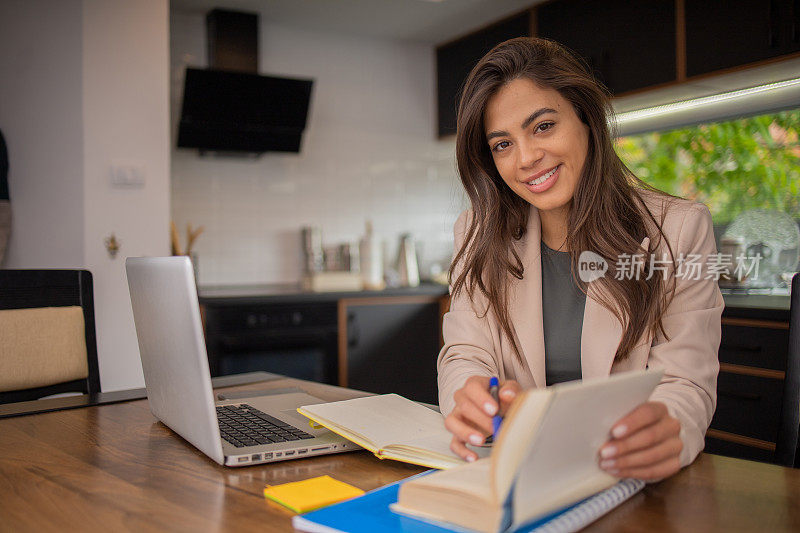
{"points": [[41, 109], [369, 152], [125, 120], [85, 85]]}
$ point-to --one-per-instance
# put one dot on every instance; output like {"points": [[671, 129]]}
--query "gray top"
{"points": [[562, 311]]}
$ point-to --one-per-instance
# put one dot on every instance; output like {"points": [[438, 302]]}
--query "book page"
{"points": [[469, 478], [385, 420], [460, 496], [561, 464], [516, 433]]}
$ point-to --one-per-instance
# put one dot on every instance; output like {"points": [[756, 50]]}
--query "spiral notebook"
{"points": [[372, 512]]}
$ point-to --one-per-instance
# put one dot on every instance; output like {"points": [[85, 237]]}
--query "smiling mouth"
{"points": [[543, 178]]}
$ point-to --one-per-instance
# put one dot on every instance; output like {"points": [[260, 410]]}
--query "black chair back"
{"points": [[26, 289], [786, 451]]}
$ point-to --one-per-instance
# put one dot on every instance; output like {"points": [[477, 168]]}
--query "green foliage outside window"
{"points": [[733, 166]]}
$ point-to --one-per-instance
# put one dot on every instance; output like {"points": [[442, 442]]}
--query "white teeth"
{"points": [[542, 179]]}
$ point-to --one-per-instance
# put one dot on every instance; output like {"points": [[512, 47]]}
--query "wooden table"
{"points": [[114, 467]]}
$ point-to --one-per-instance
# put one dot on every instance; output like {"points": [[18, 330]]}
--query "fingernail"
{"points": [[508, 393], [608, 451], [477, 440], [613, 472], [619, 431], [490, 408], [471, 458], [605, 465]]}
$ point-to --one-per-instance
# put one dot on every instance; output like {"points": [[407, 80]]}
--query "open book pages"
{"points": [[547, 452], [391, 427], [462, 491]]}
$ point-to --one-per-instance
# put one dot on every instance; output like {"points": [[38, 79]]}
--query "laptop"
{"points": [[235, 432]]}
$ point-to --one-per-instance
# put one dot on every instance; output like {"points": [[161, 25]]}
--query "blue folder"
{"points": [[370, 513], [366, 514]]}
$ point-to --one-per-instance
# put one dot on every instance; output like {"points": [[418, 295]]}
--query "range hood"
{"points": [[229, 107]]}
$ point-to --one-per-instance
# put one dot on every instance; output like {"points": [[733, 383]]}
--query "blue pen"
{"points": [[494, 385]]}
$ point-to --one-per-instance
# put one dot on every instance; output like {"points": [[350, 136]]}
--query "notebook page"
{"points": [[386, 419]]}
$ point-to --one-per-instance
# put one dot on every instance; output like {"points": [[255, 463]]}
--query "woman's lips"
{"points": [[549, 182]]}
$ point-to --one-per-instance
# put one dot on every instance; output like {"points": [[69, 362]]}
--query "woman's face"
{"points": [[538, 143]]}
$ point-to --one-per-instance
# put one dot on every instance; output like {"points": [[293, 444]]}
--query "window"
{"points": [[732, 166]]}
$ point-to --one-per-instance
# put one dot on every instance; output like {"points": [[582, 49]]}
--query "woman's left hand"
{"points": [[646, 444]]}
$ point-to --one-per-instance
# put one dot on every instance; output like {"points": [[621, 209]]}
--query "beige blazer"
{"points": [[475, 346]]}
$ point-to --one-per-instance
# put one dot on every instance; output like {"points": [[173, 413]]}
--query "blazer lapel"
{"points": [[600, 335], [525, 300]]}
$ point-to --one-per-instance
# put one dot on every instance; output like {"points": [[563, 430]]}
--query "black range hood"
{"points": [[229, 107]]}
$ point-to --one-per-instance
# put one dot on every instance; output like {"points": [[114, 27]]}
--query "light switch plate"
{"points": [[127, 175]]}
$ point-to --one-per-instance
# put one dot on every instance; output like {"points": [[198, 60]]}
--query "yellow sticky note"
{"points": [[310, 494]]}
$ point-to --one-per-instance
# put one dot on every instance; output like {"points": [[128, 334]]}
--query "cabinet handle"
{"points": [[748, 396], [773, 35], [352, 330]]}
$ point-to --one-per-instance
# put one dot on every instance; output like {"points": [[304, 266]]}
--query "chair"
{"points": [[48, 337], [786, 450]]}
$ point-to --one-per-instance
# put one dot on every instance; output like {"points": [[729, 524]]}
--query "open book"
{"points": [[545, 458], [391, 427]]}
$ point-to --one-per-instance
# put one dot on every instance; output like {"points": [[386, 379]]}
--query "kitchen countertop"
{"points": [[757, 306], [294, 293], [753, 306]]}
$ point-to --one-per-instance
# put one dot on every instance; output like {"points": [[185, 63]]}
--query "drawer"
{"points": [[748, 405], [751, 346]]}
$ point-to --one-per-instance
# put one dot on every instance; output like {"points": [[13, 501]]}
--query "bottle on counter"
{"points": [[407, 266], [371, 259], [312, 249]]}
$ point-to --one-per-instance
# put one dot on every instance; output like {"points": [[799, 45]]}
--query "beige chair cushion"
{"points": [[41, 346]]}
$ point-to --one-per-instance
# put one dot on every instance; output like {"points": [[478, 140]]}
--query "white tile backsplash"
{"points": [[369, 152]]}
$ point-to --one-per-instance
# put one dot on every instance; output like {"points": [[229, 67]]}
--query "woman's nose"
{"points": [[530, 153]]}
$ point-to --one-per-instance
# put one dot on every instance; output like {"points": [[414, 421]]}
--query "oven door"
{"points": [[298, 341]]}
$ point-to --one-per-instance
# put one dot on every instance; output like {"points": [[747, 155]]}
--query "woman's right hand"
{"points": [[471, 419]]}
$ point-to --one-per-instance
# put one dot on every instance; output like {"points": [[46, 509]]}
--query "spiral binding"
{"points": [[592, 508]]}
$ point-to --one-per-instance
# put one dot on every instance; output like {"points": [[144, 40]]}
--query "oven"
{"points": [[296, 339]]}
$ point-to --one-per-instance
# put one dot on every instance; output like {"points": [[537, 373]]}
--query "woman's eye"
{"points": [[548, 124], [499, 147]]}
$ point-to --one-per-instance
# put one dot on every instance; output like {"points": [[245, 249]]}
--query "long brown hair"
{"points": [[607, 215]]}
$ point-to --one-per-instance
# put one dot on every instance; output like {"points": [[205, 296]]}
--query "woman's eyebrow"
{"points": [[536, 114], [527, 122]]}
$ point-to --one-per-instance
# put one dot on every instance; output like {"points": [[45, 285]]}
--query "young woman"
{"points": [[535, 156]]}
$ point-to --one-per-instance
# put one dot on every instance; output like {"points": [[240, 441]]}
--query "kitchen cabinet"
{"points": [[634, 46], [750, 388], [722, 34], [628, 45], [378, 341], [390, 345], [455, 59]]}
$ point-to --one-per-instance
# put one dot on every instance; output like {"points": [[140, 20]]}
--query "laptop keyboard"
{"points": [[243, 425]]}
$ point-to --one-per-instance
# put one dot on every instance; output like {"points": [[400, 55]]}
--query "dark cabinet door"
{"points": [[750, 389], [629, 45], [727, 33], [392, 347], [455, 60]]}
